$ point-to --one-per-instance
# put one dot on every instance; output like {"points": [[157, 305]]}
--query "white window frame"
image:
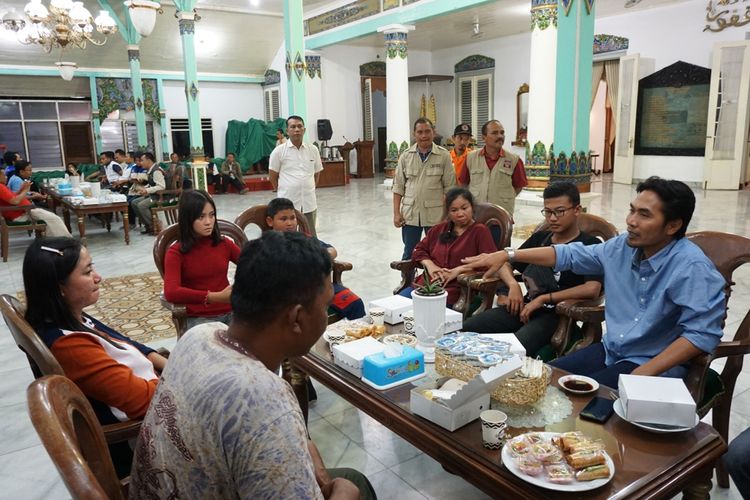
{"points": [[270, 111], [476, 121]]}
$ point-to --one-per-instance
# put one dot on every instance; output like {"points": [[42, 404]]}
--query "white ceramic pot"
{"points": [[429, 321]]}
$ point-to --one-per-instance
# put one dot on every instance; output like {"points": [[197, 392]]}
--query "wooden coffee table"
{"points": [[81, 211], [646, 465]]}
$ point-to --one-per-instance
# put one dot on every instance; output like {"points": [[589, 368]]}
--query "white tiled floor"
{"points": [[357, 220]]}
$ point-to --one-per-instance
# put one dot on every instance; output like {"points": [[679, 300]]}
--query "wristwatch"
{"points": [[511, 254]]}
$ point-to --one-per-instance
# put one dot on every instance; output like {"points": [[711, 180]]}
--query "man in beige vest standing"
{"points": [[423, 175], [492, 174]]}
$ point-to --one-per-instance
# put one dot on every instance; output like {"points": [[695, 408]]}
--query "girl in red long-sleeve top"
{"points": [[118, 375], [195, 268], [457, 237]]}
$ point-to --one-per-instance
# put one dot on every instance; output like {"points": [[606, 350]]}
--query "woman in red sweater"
{"points": [[457, 237], [195, 268]]}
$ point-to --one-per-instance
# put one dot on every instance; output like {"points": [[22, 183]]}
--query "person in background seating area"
{"points": [[71, 169], [109, 170], [280, 137], [231, 173], [55, 225], [23, 175], [176, 174], [9, 160], [195, 268], [533, 317], [155, 182], [223, 424]]}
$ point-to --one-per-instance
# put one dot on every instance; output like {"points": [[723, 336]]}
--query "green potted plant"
{"points": [[429, 300]]}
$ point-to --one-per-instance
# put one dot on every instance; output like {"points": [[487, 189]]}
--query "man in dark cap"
{"points": [[461, 140]]}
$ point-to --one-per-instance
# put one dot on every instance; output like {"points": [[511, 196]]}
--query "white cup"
{"points": [[378, 316], [409, 323], [493, 428]]}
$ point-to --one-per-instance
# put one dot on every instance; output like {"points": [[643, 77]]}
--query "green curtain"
{"points": [[252, 140]]}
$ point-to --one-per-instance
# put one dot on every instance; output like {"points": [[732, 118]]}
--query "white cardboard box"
{"points": [[454, 320], [516, 347], [394, 306], [466, 405], [351, 355], [659, 400]]}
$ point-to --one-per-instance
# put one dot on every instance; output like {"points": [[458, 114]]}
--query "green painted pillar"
{"points": [[163, 124], [134, 57], [95, 116], [294, 42], [575, 40]]}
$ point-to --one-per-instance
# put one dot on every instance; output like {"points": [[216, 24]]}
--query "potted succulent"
{"points": [[429, 301]]}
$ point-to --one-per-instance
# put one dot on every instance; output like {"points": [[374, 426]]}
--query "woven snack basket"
{"points": [[515, 390]]}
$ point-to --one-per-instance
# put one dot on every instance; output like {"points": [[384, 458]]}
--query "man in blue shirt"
{"points": [[23, 174], [665, 299]]}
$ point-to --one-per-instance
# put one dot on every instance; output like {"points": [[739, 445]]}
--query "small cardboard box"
{"points": [[516, 347], [394, 306], [659, 400], [350, 356], [466, 405]]}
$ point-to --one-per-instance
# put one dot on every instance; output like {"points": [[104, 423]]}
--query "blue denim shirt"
{"points": [[651, 303]]}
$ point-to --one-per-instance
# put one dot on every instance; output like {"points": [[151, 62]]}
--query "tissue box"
{"points": [[659, 400], [383, 372], [350, 356], [394, 306], [466, 405], [516, 347], [454, 320]]}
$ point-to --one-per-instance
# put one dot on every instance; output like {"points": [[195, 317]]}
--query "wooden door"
{"points": [[727, 128], [78, 143], [627, 104]]}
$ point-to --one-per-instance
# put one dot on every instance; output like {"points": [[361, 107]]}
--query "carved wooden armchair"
{"points": [[166, 239], [500, 224], [166, 202], [8, 226], [589, 312], [42, 362], [710, 389], [73, 438]]}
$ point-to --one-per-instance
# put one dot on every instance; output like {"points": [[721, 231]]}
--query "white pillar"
{"points": [[397, 91], [542, 84]]}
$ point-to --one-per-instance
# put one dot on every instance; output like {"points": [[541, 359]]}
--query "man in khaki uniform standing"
{"points": [[492, 174], [423, 175]]}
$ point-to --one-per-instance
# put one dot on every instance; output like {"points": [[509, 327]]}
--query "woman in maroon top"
{"points": [[457, 237], [195, 268]]}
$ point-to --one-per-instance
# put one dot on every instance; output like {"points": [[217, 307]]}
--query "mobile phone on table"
{"points": [[598, 410]]}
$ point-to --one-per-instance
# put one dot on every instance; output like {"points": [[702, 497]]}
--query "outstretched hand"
{"points": [[491, 261]]}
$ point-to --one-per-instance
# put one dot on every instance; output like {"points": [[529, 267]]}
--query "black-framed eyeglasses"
{"points": [[558, 212]]}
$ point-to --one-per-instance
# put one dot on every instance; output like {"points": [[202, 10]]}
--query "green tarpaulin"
{"points": [[252, 140]]}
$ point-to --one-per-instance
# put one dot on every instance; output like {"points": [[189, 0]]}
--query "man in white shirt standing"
{"points": [[294, 169]]}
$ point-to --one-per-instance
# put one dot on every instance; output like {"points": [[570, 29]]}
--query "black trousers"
{"points": [[533, 335]]}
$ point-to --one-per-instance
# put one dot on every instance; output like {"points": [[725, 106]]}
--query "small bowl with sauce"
{"points": [[578, 384]]}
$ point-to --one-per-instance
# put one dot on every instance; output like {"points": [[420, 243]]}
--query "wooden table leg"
{"points": [[127, 226], [700, 487], [82, 229]]}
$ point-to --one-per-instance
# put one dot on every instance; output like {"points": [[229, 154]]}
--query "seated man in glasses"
{"points": [[532, 317]]}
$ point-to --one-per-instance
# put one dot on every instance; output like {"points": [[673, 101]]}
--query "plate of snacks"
{"points": [[353, 330], [399, 338], [568, 461]]}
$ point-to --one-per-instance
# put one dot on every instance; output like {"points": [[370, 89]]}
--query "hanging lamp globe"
{"points": [[67, 69], [143, 15]]}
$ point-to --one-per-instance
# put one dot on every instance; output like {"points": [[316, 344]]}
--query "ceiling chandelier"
{"points": [[65, 24]]}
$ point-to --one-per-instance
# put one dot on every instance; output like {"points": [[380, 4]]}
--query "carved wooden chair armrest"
{"points": [[121, 431], [733, 350], [166, 196], [408, 269], [338, 269], [472, 285], [589, 312], [179, 314]]}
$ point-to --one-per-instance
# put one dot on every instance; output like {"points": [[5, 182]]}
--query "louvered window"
{"points": [[475, 102], [271, 104], [367, 110]]}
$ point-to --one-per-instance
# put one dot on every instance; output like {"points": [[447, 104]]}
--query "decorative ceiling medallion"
{"points": [[299, 66], [566, 4], [589, 6], [288, 66]]}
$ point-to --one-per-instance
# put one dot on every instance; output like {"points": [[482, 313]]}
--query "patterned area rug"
{"points": [[130, 305]]}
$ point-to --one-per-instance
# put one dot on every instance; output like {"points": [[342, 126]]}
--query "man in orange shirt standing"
{"points": [[461, 140]]}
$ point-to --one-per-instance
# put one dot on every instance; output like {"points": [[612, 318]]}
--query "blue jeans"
{"points": [[737, 461], [590, 361], [411, 235]]}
